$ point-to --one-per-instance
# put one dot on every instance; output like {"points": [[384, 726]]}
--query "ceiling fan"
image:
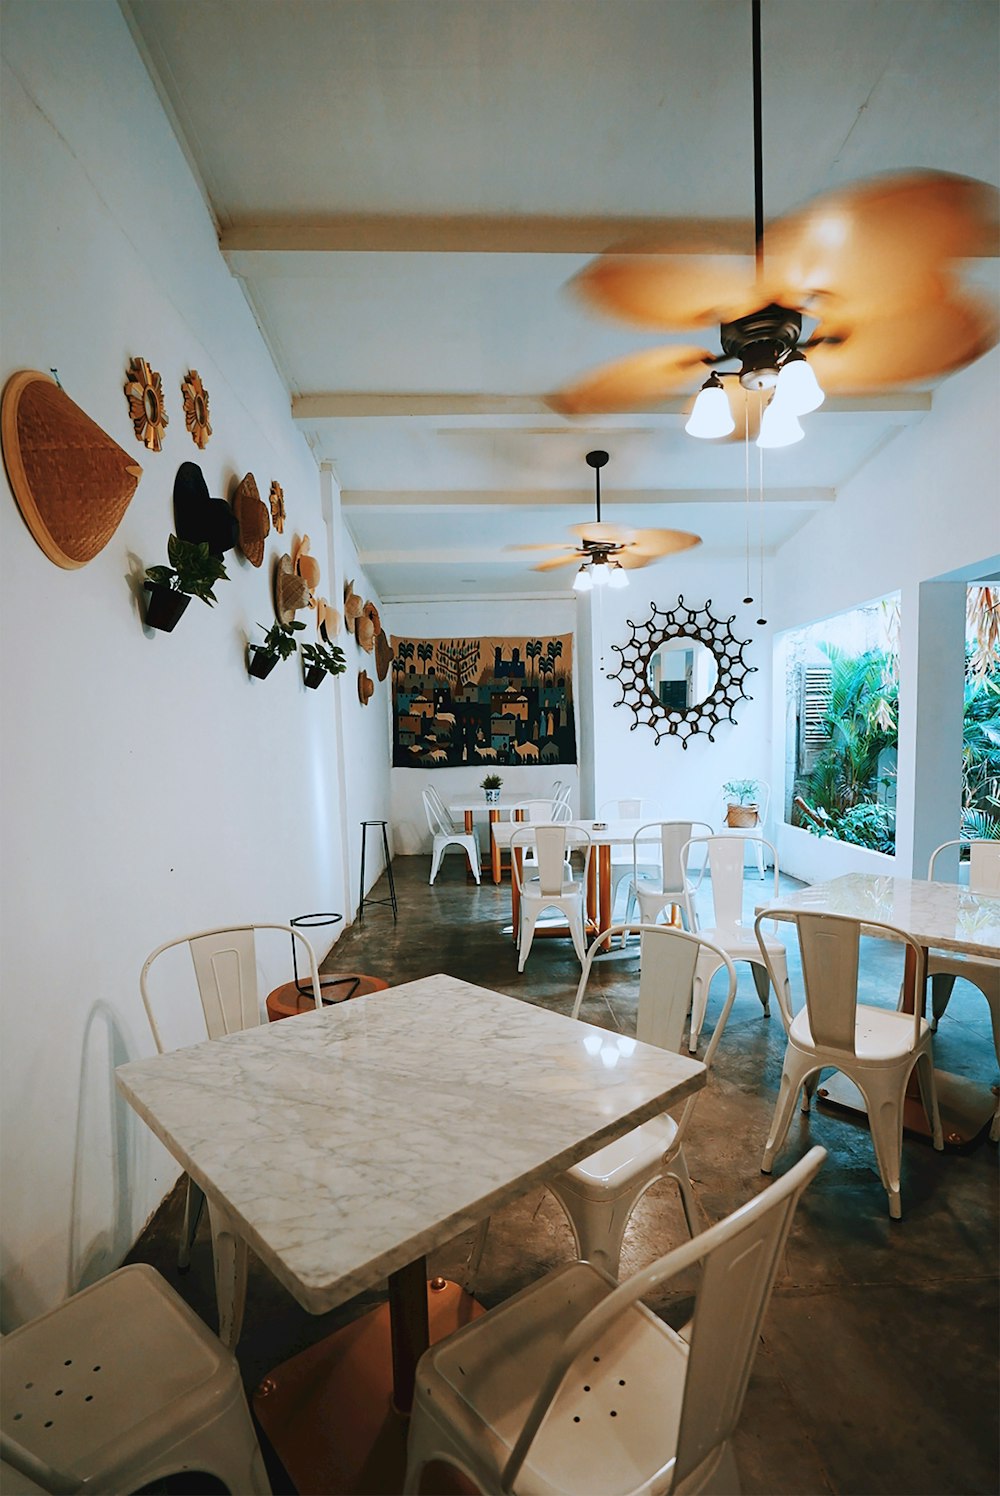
{"points": [[873, 265], [606, 551]]}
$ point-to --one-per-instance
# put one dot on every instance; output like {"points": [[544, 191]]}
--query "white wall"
{"points": [[465, 619], [929, 504], [149, 785]]}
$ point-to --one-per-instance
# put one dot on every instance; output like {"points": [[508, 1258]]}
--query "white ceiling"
{"points": [[406, 187]]}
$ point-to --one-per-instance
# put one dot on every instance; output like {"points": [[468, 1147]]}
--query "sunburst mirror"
{"points": [[195, 398], [682, 671], [144, 392]]}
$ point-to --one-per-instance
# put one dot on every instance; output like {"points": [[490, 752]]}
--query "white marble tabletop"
{"points": [[505, 804], [945, 916], [347, 1143], [601, 833]]}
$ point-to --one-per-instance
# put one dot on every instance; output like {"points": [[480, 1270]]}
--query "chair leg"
{"points": [[942, 986], [598, 1225], [677, 1170], [574, 916], [194, 1204], [794, 1072], [762, 982], [527, 935], [883, 1091], [703, 974], [473, 860], [928, 1096], [436, 861], [476, 1255]]}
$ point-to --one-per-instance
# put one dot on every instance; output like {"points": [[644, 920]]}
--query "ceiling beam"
{"points": [[483, 234], [576, 498], [356, 404]]}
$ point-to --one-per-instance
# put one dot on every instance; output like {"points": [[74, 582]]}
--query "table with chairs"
{"points": [[554, 806], [446, 833]]}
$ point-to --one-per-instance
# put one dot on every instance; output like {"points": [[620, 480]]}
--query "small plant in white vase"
{"points": [[491, 784]]}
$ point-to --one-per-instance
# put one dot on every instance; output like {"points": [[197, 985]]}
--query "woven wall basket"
{"points": [[741, 815], [72, 482]]}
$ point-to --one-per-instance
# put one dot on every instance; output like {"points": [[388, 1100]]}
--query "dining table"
{"points": [[939, 916], [600, 891], [496, 811], [343, 1145]]}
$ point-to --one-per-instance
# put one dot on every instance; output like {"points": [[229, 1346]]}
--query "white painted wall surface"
{"points": [[927, 505], [149, 785], [459, 620]]}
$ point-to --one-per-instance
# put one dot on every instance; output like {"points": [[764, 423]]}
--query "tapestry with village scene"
{"points": [[482, 701]]}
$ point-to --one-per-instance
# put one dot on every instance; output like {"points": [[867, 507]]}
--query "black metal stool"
{"points": [[316, 922], [388, 868]]}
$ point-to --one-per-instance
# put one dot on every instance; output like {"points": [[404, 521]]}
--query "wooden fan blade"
{"points": [[878, 246], [649, 544], [573, 559], [640, 379], [550, 545], [670, 291], [878, 353], [603, 532]]}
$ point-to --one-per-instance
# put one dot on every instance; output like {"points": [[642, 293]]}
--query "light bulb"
{"points": [[711, 416], [599, 573], [798, 388], [618, 577], [583, 581], [779, 426]]}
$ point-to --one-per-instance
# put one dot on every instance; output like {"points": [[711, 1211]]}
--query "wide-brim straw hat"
{"points": [[306, 565], [198, 517], [72, 481], [365, 687], [253, 519], [364, 632], [328, 620], [352, 606], [290, 591], [383, 655]]}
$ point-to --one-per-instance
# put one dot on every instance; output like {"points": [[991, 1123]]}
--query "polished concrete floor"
{"points": [[877, 1370]]}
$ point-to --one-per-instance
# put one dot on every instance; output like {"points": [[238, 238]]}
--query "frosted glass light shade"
{"points": [[779, 426], [583, 581], [798, 388], [618, 577], [599, 573], [710, 416]]}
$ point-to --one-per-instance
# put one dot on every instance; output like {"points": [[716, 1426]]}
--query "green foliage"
{"points": [[981, 753], [865, 825], [741, 791], [327, 657], [279, 640], [491, 782], [193, 569]]}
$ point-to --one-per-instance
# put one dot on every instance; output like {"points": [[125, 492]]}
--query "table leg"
{"points": [[604, 902], [409, 1328], [229, 1257], [494, 848], [592, 913]]}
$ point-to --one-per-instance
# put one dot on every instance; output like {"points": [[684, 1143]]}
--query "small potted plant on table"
{"points": [[742, 804], [279, 643], [193, 572], [319, 661], [491, 784]]}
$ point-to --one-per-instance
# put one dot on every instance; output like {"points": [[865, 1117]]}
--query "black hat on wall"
{"points": [[199, 517]]}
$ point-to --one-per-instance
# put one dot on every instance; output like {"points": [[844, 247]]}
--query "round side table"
{"points": [[289, 999]]}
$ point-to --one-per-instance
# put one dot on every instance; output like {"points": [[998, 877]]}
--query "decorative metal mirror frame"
{"points": [[702, 627]]}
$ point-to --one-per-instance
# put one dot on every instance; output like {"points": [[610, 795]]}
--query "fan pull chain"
{"points": [[760, 490], [746, 485]]}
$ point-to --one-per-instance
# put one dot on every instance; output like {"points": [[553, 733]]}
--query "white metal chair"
{"points": [[574, 1386], [563, 795], [225, 971], [122, 1386], [877, 1048], [944, 966], [446, 834], [628, 808], [441, 808], [600, 1193], [763, 792], [555, 886], [663, 884], [540, 810], [724, 860]]}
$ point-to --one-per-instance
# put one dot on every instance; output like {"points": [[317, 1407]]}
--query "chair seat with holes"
{"points": [[880, 1034]]}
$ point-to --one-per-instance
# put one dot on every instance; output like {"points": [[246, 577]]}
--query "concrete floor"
{"points": [[878, 1367]]}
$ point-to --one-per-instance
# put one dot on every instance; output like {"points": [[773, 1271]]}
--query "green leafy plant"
{"points": [[193, 569], [279, 640], [324, 657], [864, 825], [740, 791], [491, 782]]}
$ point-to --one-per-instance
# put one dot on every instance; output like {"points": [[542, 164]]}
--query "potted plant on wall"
{"points": [[742, 805], [321, 660], [279, 643], [193, 572], [491, 784]]}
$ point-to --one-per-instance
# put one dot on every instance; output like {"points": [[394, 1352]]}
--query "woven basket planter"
{"points": [[742, 816]]}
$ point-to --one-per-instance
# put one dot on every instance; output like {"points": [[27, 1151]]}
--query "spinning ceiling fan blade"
{"points": [[879, 245], [878, 353], [573, 559], [549, 545], [670, 291], [603, 532], [649, 544], [641, 379]]}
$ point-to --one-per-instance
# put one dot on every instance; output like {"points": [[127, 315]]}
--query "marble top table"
{"points": [[345, 1144], [468, 809], [945, 916]]}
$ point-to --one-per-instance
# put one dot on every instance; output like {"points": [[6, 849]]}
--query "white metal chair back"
{"points": [[830, 947], [630, 809], [724, 862], [541, 810], [446, 817], [552, 844], [439, 822], [984, 862], [674, 836], [739, 1259], [563, 797], [225, 968], [556, 791]]}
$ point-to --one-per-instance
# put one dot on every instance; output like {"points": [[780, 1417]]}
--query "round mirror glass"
{"points": [[681, 673]]}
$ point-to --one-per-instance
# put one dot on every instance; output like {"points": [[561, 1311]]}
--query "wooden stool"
{"points": [[337, 986]]}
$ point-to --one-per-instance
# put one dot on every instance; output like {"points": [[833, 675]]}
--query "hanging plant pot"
{"points": [[314, 676], [261, 663], [165, 606]]}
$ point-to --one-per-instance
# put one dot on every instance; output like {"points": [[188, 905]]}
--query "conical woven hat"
{"points": [[72, 481], [364, 632], [352, 606], [365, 687], [290, 591], [253, 519]]}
